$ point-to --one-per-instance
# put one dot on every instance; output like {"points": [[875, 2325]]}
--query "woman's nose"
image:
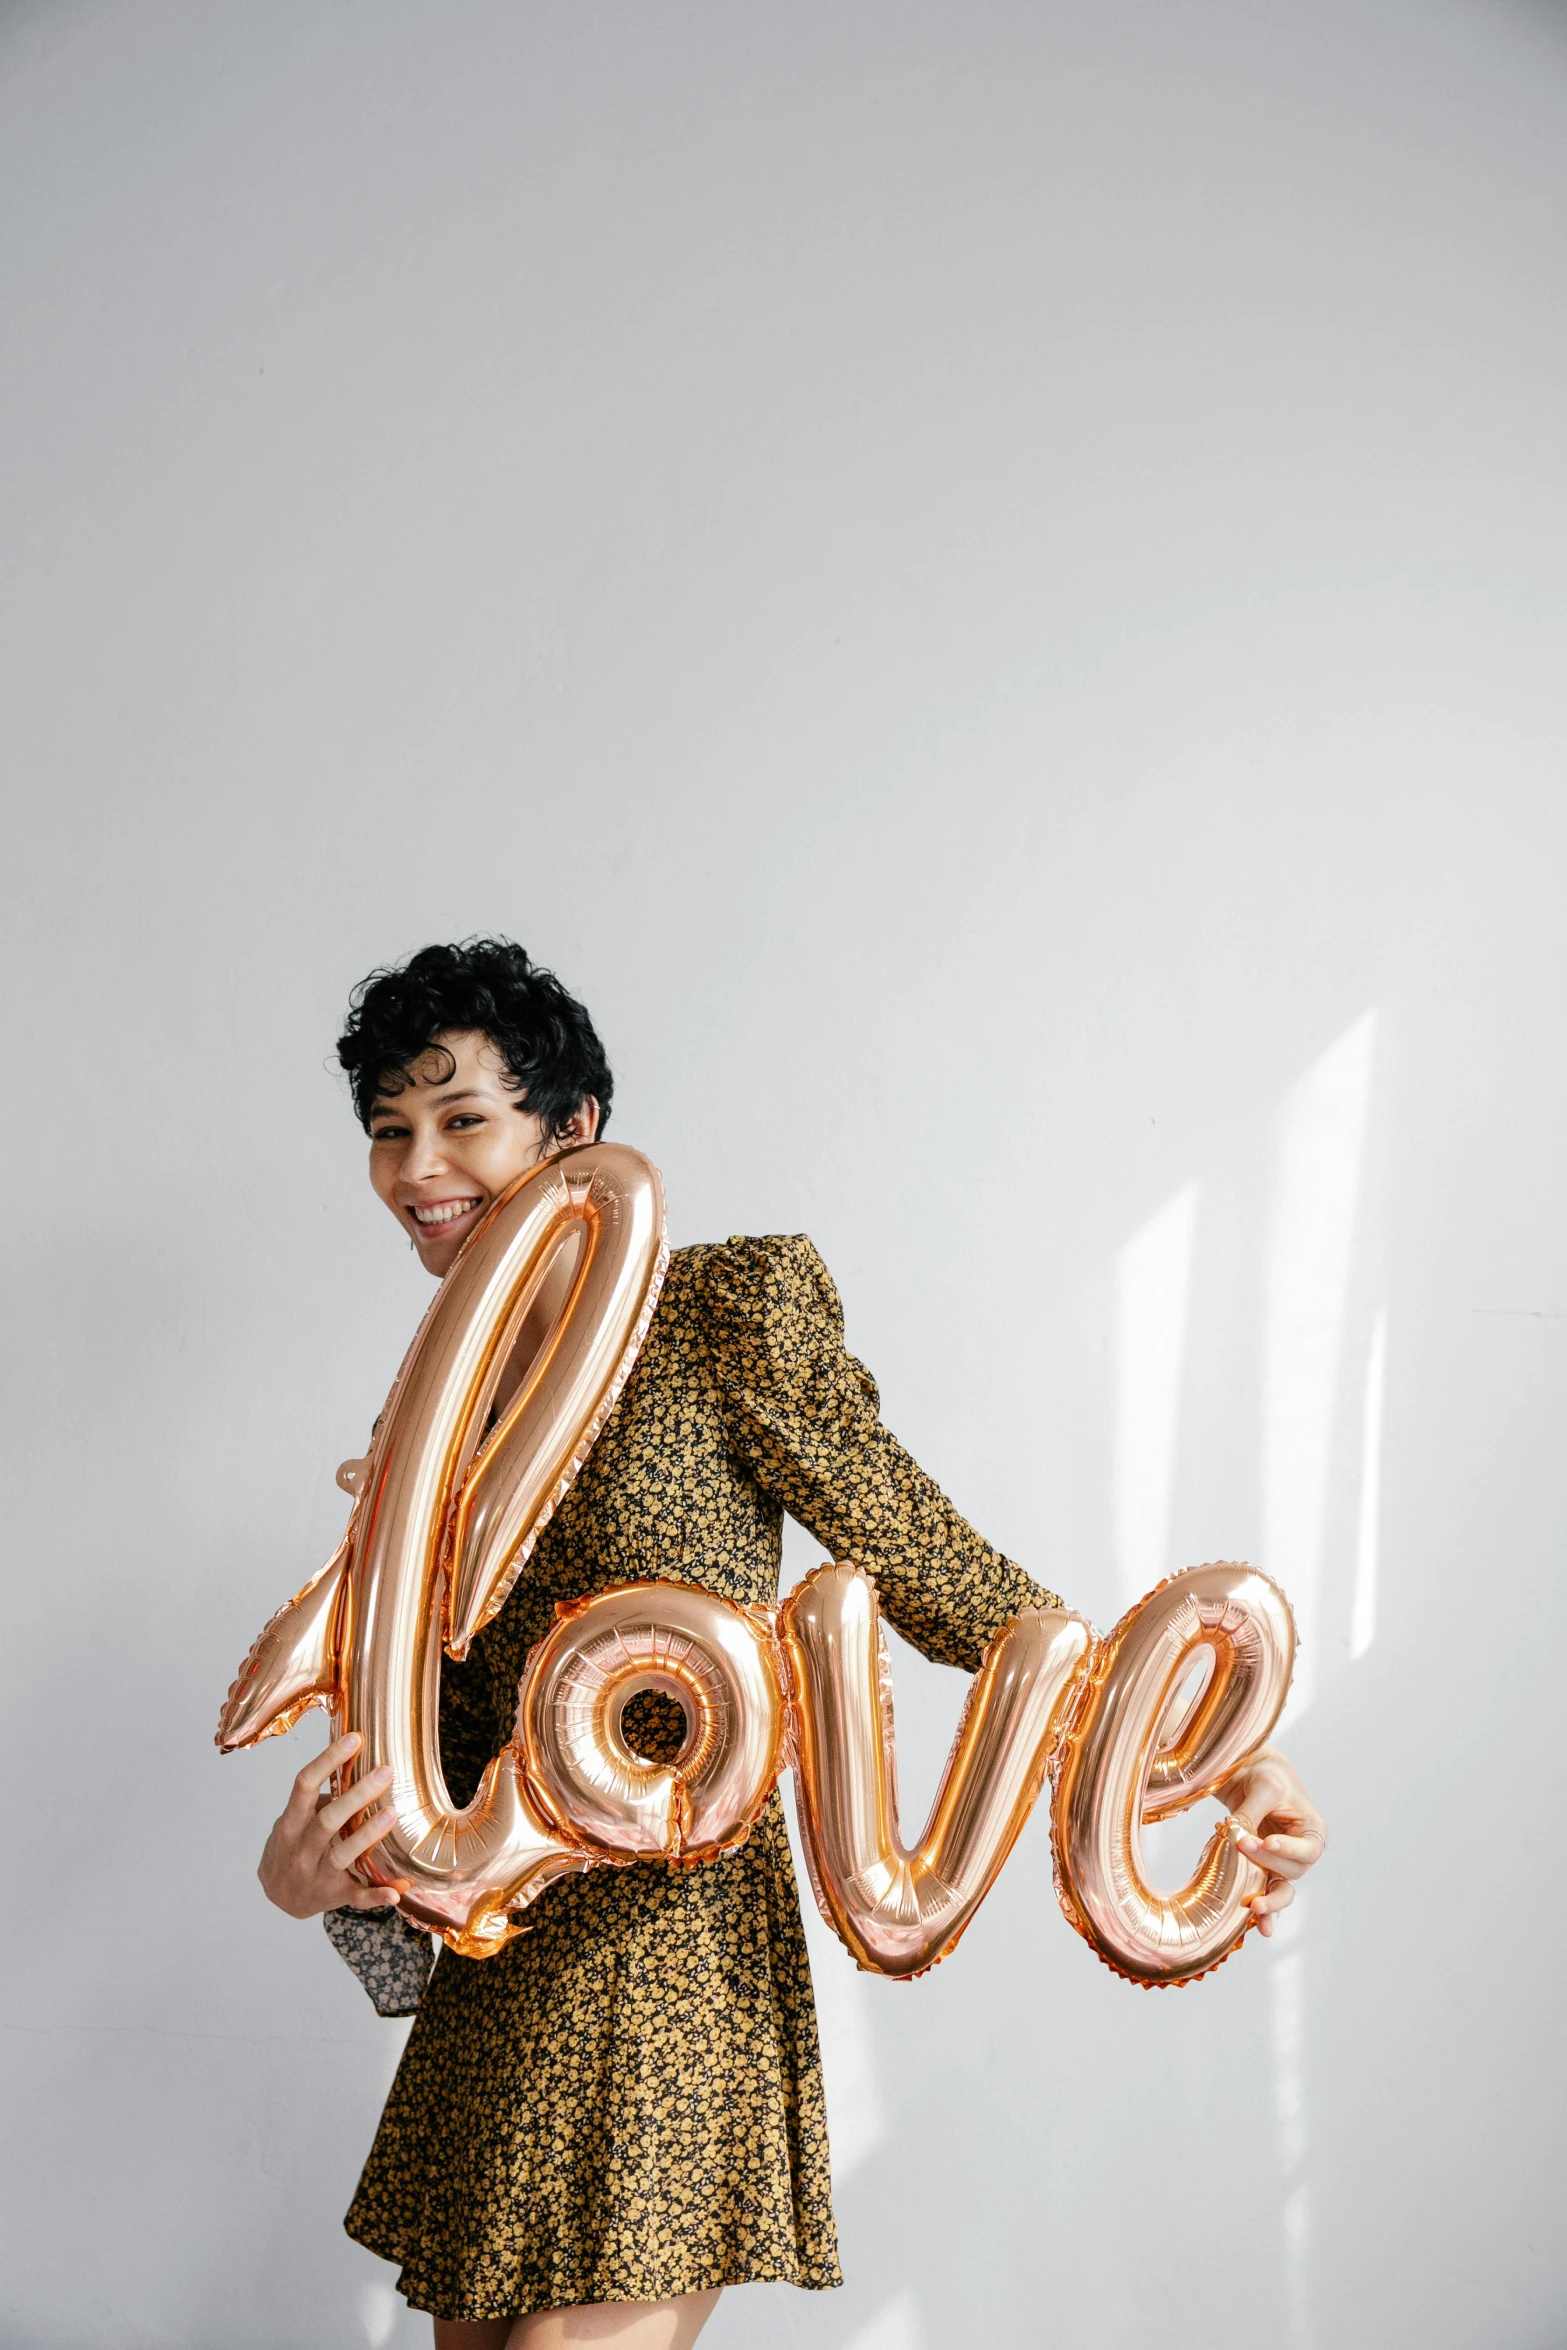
{"points": [[424, 1158]]}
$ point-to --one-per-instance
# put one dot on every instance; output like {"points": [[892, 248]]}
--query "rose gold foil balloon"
{"points": [[900, 1909], [447, 1509], [719, 1661], [445, 1516], [1139, 1747]]}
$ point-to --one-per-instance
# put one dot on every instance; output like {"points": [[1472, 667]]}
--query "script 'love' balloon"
{"points": [[1144, 1742], [717, 1660], [899, 1910], [569, 1262], [560, 1281]]}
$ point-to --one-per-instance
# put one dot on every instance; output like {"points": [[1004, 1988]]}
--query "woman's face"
{"points": [[452, 1140]]}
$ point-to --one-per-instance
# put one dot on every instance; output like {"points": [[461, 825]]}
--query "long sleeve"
{"points": [[805, 1417]]}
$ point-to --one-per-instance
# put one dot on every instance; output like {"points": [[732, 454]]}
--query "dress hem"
{"points": [[530, 2306]]}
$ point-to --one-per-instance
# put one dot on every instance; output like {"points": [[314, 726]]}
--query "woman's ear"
{"points": [[585, 1120]]}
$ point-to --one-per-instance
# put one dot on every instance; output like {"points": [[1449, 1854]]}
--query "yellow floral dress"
{"points": [[626, 2103]]}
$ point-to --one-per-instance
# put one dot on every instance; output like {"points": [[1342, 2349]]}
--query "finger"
{"points": [[345, 1850], [1253, 1792], [1266, 1798], [336, 1809], [333, 1810], [1266, 1785], [1260, 1805], [372, 1897], [1279, 1894], [1289, 1856], [307, 1785]]}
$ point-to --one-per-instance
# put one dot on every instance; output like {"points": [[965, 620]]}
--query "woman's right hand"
{"points": [[304, 1868]]}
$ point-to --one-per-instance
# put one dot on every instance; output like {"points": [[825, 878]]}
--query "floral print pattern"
{"points": [[626, 2103], [391, 1958]]}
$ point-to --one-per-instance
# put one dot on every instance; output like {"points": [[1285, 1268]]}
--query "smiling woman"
{"points": [[620, 2113], [451, 1137], [467, 1064]]}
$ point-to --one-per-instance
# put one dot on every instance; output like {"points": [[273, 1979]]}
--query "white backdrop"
{"points": [[987, 582]]}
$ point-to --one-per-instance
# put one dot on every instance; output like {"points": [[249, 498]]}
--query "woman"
{"points": [[595, 2131]]}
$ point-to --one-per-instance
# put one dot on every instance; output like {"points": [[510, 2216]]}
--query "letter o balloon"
{"points": [[717, 1660]]}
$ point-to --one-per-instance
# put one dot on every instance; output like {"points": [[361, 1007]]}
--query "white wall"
{"points": [[988, 582]]}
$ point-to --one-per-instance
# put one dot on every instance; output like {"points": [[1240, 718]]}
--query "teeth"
{"points": [[445, 1213]]}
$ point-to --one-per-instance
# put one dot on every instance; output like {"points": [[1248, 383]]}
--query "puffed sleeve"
{"points": [[806, 1418]]}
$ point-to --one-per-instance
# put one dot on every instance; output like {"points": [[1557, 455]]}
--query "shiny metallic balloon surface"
{"points": [[1127, 1757], [449, 1503], [716, 1659], [900, 1908], [447, 1511]]}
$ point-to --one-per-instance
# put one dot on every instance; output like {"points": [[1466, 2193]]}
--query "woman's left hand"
{"points": [[1284, 1831]]}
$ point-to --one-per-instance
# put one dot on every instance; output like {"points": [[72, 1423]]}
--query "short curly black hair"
{"points": [[541, 1031]]}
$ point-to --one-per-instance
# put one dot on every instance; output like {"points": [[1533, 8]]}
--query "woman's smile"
{"points": [[446, 1213]]}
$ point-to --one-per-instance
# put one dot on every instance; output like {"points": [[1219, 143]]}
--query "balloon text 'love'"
{"points": [[448, 1506]]}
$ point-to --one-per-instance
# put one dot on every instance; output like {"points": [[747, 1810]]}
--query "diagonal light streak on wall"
{"points": [[854, 2102], [377, 2312], [896, 2327], [1321, 1148], [1153, 1285], [1288, 2000], [1363, 1611]]}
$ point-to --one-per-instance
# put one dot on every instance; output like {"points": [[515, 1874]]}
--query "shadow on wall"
{"points": [[1302, 1365], [1322, 1392]]}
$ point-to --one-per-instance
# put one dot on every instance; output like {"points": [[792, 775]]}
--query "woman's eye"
{"points": [[463, 1118]]}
